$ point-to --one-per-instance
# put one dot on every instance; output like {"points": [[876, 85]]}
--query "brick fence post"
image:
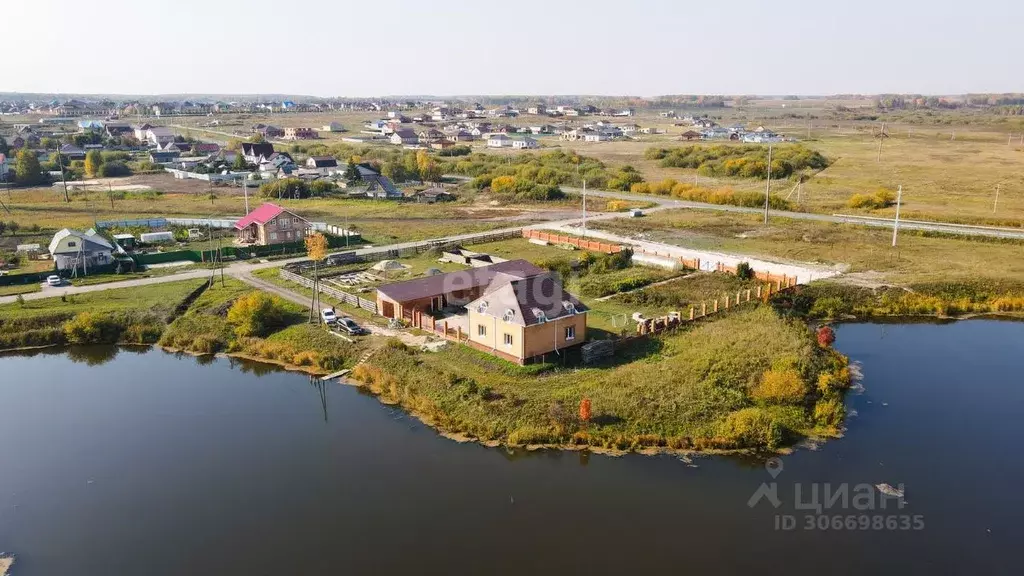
{"points": [[748, 294], [691, 313], [737, 298], [758, 291], [703, 308], [716, 305], [727, 300]]}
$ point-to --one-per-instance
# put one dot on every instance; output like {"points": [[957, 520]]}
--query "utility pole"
{"points": [[245, 192], [584, 208], [996, 203], [768, 185], [896, 223], [60, 164], [878, 158]]}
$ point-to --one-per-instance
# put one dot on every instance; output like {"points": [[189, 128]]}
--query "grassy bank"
{"points": [[832, 300], [207, 328], [125, 315], [749, 379]]}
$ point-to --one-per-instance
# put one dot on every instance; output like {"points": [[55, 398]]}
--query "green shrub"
{"points": [[256, 314], [91, 328], [752, 428], [780, 385], [881, 198]]}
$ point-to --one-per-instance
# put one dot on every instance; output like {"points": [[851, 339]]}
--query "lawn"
{"points": [[19, 289], [682, 390]]}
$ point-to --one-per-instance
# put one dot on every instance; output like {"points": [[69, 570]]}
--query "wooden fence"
{"points": [[577, 242], [350, 299], [762, 293]]}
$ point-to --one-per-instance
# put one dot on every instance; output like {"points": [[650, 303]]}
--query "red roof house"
{"points": [[271, 224]]}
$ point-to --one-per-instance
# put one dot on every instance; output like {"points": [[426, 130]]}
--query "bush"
{"points": [[256, 314], [113, 169], [460, 150], [882, 198], [829, 412], [91, 328], [829, 307], [780, 386], [744, 271], [752, 428]]}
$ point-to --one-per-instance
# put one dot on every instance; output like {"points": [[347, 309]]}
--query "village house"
{"points": [[526, 143], [498, 141], [141, 131], [254, 153], [72, 250], [300, 134], [405, 136], [596, 137], [322, 165], [430, 135], [513, 309], [333, 127], [461, 136], [271, 224], [432, 195], [267, 131], [159, 135], [72, 152]]}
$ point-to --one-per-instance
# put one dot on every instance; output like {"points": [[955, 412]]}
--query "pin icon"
{"points": [[774, 467]]}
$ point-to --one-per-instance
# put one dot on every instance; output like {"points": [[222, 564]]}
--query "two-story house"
{"points": [[271, 224]]}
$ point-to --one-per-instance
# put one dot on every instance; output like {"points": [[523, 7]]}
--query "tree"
{"points": [[351, 172], [257, 138], [826, 336], [112, 169], [26, 168], [239, 163], [316, 249], [93, 161], [13, 226], [256, 314], [4, 147]]}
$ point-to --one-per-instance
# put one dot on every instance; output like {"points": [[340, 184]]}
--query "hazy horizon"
{"points": [[597, 48]]}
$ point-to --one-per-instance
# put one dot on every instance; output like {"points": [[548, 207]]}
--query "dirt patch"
{"points": [[5, 564]]}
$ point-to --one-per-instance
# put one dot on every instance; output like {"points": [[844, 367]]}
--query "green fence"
{"points": [[237, 252], [27, 278]]}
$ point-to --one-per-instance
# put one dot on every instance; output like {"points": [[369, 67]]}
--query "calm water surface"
{"points": [[141, 462]]}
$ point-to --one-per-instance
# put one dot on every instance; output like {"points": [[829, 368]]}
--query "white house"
{"points": [[71, 249], [525, 143], [159, 135], [498, 141], [595, 137]]}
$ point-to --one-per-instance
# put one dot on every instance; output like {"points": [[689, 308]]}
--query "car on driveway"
{"points": [[328, 316], [349, 325], [54, 280]]}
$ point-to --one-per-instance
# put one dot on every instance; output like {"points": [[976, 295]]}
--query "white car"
{"points": [[328, 316], [54, 280]]}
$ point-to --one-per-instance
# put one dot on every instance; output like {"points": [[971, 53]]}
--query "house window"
{"points": [[481, 330], [508, 339], [71, 244], [273, 235], [570, 332]]}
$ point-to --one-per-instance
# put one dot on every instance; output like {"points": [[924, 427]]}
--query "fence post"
{"points": [[691, 313], [758, 291], [703, 308], [748, 294], [737, 298], [727, 300], [716, 305]]}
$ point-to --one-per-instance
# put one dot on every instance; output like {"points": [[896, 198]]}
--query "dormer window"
{"points": [[508, 315], [540, 315], [482, 307], [569, 307]]}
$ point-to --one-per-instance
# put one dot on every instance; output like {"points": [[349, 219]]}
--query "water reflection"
{"points": [[92, 355]]}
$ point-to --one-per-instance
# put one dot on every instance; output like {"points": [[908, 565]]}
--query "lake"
{"points": [[136, 461]]}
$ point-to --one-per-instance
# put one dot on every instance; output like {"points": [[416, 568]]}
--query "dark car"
{"points": [[349, 325]]}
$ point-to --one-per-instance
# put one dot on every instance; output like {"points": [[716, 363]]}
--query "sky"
{"points": [[485, 47]]}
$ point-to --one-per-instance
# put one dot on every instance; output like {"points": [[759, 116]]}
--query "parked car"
{"points": [[349, 325], [328, 316], [54, 280]]}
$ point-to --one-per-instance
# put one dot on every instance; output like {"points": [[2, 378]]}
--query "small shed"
{"points": [[126, 241]]}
